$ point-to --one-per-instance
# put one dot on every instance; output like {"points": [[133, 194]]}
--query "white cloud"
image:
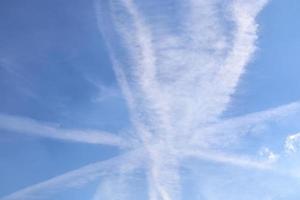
{"points": [[292, 143]]}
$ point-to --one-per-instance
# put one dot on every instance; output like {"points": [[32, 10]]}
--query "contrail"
{"points": [[79, 177], [148, 96], [113, 188], [164, 177], [228, 159], [243, 47], [168, 89], [147, 87], [178, 77], [228, 131], [30, 126]]}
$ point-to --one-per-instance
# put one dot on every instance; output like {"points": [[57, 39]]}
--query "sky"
{"points": [[158, 100]]}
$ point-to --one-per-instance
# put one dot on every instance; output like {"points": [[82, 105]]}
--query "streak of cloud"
{"points": [[30, 126], [235, 160]]}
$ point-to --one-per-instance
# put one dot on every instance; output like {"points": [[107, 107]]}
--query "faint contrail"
{"points": [[228, 131], [79, 177], [228, 159], [30, 126], [148, 94]]}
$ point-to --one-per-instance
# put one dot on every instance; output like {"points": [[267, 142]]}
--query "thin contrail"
{"points": [[228, 131], [79, 177], [30, 126], [235, 160]]}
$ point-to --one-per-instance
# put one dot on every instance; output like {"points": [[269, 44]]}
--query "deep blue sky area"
{"points": [[53, 58]]}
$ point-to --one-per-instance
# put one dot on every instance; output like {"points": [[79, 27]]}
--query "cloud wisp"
{"points": [[292, 143], [178, 76]]}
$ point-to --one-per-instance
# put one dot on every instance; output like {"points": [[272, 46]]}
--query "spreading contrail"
{"points": [[177, 81], [168, 99]]}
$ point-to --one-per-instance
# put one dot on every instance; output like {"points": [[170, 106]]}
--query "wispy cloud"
{"points": [[292, 143], [104, 92], [30, 126]]}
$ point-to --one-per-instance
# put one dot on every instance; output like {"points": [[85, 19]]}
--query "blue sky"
{"points": [[195, 99]]}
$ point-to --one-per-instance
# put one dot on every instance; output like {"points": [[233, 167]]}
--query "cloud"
{"points": [[292, 143], [30, 126], [269, 155]]}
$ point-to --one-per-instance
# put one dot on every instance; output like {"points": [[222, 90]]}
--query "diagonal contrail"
{"points": [[227, 131], [79, 177], [166, 94], [30, 126], [235, 160]]}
